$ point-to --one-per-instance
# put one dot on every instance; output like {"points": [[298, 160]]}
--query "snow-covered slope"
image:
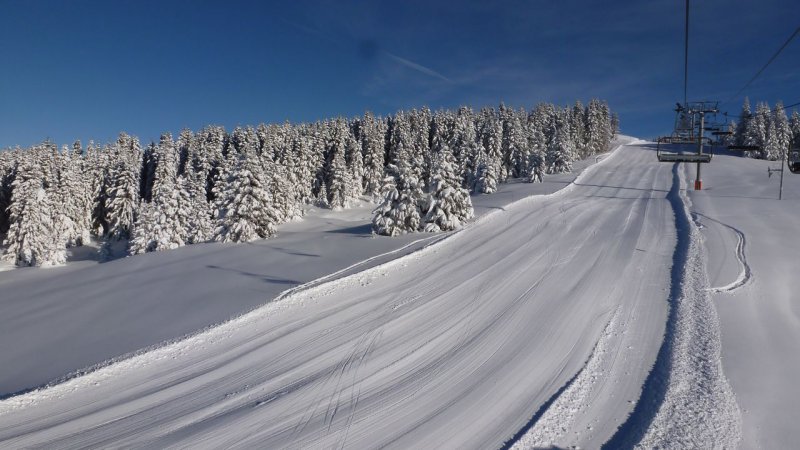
{"points": [[583, 318], [753, 248], [456, 345], [61, 320]]}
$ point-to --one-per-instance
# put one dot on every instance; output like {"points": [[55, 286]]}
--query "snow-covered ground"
{"points": [[58, 321], [585, 317], [753, 248]]}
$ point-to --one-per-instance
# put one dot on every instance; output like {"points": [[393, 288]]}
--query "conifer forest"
{"points": [[419, 167]]}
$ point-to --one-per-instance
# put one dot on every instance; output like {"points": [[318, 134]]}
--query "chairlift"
{"points": [[794, 160], [682, 157], [689, 126]]}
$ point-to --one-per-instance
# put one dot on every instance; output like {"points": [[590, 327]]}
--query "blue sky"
{"points": [[90, 69]]}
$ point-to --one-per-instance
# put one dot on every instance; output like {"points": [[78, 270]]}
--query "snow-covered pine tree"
{"points": [[148, 173], [338, 179], [143, 237], [73, 196], [210, 156], [505, 116], [466, 147], [443, 133], [293, 179], [244, 210], [123, 200], [8, 168], [164, 223], [491, 138], [731, 138], [537, 149], [304, 164], [166, 170], [448, 204], [783, 133], [355, 165], [486, 176], [744, 124], [243, 140], [771, 144], [33, 236], [55, 187], [200, 227], [317, 136], [281, 188], [794, 125], [372, 134], [420, 121], [82, 182], [578, 129], [561, 151], [544, 116], [598, 133], [608, 130], [400, 141], [756, 132], [515, 143], [386, 218], [184, 144], [399, 212], [100, 161]]}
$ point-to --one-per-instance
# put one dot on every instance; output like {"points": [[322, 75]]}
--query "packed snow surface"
{"points": [[579, 318], [55, 323], [753, 254]]}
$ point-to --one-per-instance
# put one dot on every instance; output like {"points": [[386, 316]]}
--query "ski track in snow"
{"points": [[700, 409], [455, 345], [687, 401], [745, 273], [559, 416]]}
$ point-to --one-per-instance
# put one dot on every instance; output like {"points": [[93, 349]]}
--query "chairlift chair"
{"points": [[682, 157], [794, 160]]}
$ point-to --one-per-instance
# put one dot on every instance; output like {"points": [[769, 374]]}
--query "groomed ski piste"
{"points": [[612, 312]]}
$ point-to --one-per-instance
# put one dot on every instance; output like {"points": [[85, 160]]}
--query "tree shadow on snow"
{"points": [[296, 253], [358, 230], [265, 278]]}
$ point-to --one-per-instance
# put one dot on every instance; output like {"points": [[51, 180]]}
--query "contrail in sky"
{"points": [[400, 60], [417, 67]]}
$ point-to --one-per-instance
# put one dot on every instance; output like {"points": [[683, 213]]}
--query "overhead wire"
{"points": [[739, 116], [785, 44], [686, 57]]}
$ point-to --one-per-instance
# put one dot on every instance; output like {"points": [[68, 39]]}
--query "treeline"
{"points": [[769, 129], [231, 187]]}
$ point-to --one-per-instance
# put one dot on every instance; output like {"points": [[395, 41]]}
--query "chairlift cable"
{"points": [[785, 108], [796, 31], [686, 57]]}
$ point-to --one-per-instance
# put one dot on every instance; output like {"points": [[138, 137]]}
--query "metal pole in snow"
{"points": [[783, 163], [698, 182]]}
